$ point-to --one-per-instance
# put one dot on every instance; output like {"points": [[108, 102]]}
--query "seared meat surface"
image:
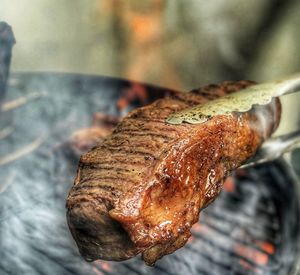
{"points": [[141, 189]]}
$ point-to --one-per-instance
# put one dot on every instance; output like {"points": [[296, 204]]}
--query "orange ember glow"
{"points": [[97, 271], [267, 247], [137, 91], [229, 185], [202, 228], [196, 227], [249, 267], [106, 266], [191, 239], [103, 265], [252, 254]]}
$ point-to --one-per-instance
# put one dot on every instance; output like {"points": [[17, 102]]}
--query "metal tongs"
{"points": [[274, 148], [243, 101]]}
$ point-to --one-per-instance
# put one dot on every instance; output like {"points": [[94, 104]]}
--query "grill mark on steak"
{"points": [[124, 162], [167, 174], [144, 139], [108, 168], [106, 180], [128, 150], [134, 126], [108, 191], [148, 133], [92, 181], [115, 169], [93, 191]]}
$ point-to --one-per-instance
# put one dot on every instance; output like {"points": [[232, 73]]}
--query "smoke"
{"points": [[34, 237]]}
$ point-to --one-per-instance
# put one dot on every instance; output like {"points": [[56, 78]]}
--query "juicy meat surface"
{"points": [[141, 189]]}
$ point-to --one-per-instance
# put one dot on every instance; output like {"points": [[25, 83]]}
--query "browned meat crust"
{"points": [[142, 188]]}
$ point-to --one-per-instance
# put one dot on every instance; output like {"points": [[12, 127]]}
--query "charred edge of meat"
{"points": [[97, 235]]}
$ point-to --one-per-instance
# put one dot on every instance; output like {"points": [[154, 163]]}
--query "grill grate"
{"points": [[252, 228], [240, 233]]}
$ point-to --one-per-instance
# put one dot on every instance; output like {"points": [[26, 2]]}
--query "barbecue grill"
{"points": [[252, 228]]}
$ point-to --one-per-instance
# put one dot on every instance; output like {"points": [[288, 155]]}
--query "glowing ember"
{"points": [[191, 239], [252, 254], [97, 271], [229, 185], [136, 92], [267, 247], [196, 227], [249, 267], [103, 265]]}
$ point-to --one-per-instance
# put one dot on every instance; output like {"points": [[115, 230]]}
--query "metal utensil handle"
{"points": [[291, 139], [241, 101], [274, 148]]}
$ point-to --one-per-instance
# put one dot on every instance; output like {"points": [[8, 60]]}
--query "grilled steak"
{"points": [[141, 189]]}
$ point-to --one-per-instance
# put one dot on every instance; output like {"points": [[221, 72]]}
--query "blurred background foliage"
{"points": [[181, 44]]}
